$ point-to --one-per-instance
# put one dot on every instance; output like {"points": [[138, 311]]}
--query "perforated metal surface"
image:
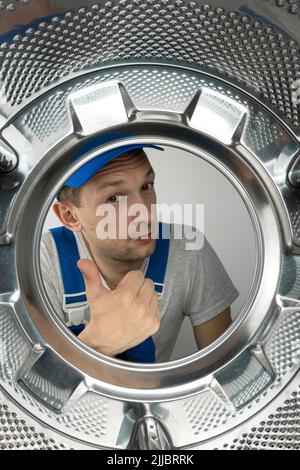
{"points": [[15, 433], [277, 428], [280, 430], [234, 43], [91, 418], [48, 116], [9, 5]]}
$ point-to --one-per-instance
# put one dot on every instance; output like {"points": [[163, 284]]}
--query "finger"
{"points": [[133, 281], [157, 312], [92, 279], [146, 292], [154, 299]]}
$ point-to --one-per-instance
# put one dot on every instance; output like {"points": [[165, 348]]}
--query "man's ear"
{"points": [[67, 214]]}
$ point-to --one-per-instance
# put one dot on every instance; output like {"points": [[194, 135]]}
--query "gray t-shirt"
{"points": [[196, 284]]}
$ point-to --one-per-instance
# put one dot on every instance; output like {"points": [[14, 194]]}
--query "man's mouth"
{"points": [[146, 238]]}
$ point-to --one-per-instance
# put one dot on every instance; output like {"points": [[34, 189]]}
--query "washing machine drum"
{"points": [[218, 79]]}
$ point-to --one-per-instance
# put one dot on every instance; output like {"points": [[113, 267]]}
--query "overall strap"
{"points": [[67, 249], [74, 285], [158, 261]]}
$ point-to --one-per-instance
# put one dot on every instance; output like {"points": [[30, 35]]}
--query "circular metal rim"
{"points": [[158, 394]]}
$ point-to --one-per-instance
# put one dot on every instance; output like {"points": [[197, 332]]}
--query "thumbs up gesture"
{"points": [[121, 318]]}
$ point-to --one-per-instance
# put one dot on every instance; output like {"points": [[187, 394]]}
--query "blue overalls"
{"points": [[74, 285]]}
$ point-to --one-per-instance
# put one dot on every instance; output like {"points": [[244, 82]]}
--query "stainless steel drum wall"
{"points": [[253, 45]]}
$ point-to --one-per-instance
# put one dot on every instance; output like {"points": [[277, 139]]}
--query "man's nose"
{"points": [[141, 207]]}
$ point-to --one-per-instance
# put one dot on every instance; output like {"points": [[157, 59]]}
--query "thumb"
{"points": [[92, 279]]}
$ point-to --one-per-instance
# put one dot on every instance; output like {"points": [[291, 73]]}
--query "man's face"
{"points": [[108, 200]]}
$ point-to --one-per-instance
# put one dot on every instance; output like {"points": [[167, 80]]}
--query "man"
{"points": [[132, 292]]}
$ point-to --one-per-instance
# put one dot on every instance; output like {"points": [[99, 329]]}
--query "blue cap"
{"points": [[87, 171]]}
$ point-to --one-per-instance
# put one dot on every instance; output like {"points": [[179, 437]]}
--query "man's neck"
{"points": [[112, 270]]}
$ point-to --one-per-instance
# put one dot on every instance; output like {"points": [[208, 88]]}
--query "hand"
{"points": [[121, 318]]}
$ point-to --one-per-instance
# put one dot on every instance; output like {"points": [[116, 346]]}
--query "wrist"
{"points": [[87, 338]]}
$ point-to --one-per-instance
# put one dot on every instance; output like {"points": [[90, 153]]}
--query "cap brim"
{"points": [[87, 171]]}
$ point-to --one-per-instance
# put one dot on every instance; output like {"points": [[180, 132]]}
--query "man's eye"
{"points": [[148, 186], [114, 198]]}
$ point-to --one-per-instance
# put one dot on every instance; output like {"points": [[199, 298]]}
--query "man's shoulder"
{"points": [[48, 244], [186, 238], [185, 249], [46, 239]]}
